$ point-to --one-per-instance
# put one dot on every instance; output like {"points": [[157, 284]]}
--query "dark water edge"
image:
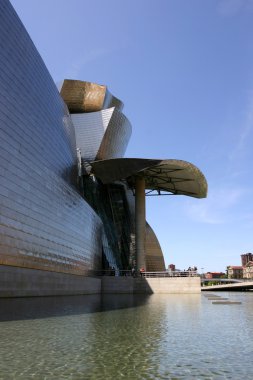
{"points": [[14, 309]]}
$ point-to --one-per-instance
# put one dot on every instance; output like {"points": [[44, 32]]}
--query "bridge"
{"points": [[226, 280], [244, 285], [228, 283]]}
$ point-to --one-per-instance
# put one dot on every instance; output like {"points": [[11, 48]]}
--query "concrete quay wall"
{"points": [[23, 282], [160, 285]]}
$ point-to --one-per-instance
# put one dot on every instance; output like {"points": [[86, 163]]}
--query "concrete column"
{"points": [[140, 222]]}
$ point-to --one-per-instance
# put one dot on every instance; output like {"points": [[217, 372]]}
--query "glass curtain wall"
{"points": [[110, 203]]}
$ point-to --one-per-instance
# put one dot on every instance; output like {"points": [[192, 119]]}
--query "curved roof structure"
{"points": [[170, 176]]}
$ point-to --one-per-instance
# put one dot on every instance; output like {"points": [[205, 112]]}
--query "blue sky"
{"points": [[184, 69]]}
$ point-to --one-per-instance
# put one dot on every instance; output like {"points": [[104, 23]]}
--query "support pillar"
{"points": [[140, 222]]}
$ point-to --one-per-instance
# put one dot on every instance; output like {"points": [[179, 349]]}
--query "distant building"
{"points": [[214, 275], [171, 267], [248, 270], [247, 257], [235, 271]]}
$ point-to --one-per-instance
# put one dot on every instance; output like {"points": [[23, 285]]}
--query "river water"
{"points": [[129, 337]]}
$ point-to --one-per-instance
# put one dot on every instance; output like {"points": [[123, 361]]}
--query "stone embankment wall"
{"points": [[162, 285], [23, 282]]}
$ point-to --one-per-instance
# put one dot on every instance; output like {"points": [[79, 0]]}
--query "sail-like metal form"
{"points": [[101, 135]]}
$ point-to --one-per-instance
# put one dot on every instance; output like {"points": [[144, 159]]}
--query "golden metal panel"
{"points": [[83, 96], [153, 252]]}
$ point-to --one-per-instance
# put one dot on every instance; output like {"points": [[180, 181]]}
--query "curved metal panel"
{"points": [[153, 252], [89, 130], [101, 135], [83, 96], [112, 101], [45, 223], [116, 138]]}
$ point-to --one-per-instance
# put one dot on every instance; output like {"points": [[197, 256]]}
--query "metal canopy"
{"points": [[161, 176]]}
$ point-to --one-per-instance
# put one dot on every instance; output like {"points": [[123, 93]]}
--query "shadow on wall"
{"points": [[125, 285], [12, 309]]}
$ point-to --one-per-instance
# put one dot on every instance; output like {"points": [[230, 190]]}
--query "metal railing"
{"points": [[171, 274], [113, 272], [130, 273]]}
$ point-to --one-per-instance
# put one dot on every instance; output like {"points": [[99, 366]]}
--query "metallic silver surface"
{"points": [[116, 138], [89, 130], [101, 135], [111, 101], [45, 223]]}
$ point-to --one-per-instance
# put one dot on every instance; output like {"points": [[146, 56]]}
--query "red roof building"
{"points": [[214, 275], [235, 271]]}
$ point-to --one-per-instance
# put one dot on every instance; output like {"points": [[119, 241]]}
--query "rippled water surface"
{"points": [[131, 337]]}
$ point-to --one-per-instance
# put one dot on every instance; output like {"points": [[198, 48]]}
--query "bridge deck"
{"points": [[238, 286]]}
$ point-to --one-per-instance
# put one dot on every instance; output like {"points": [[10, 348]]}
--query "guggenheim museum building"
{"points": [[71, 204]]}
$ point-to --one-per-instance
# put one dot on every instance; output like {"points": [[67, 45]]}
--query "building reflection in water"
{"points": [[12, 309]]}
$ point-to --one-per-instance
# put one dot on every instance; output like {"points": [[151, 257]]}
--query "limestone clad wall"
{"points": [[162, 285]]}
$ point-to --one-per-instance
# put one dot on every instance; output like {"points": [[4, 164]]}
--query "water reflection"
{"points": [[12, 309], [113, 337]]}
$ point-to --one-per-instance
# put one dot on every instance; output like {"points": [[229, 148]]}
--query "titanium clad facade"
{"points": [[154, 256], [45, 223], [56, 216], [101, 135], [82, 96], [111, 101], [116, 138], [86, 97], [90, 129]]}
